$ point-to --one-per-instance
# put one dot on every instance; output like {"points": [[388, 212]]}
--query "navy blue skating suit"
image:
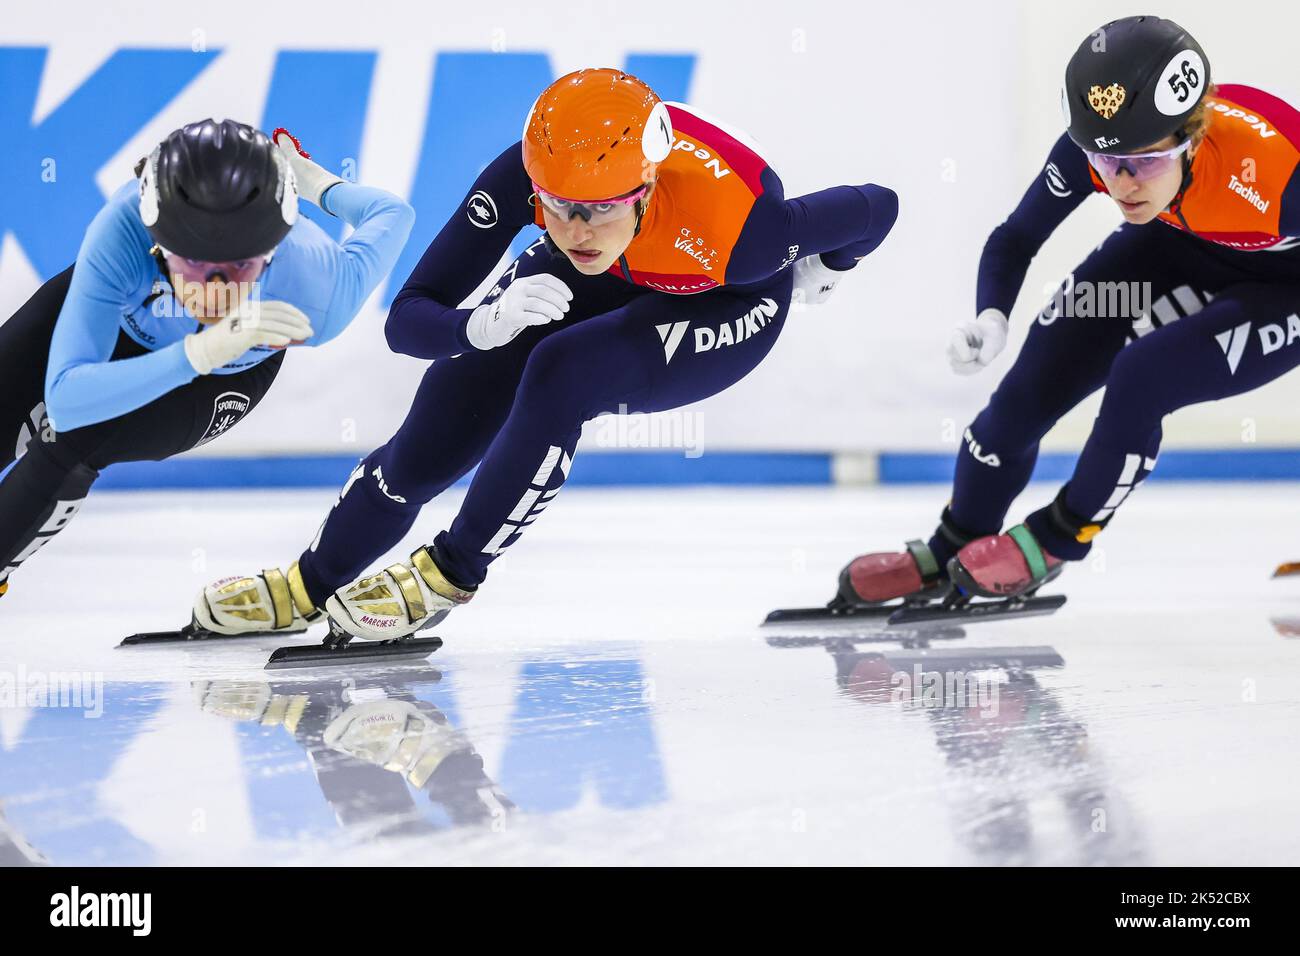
{"points": [[1198, 305], [698, 299]]}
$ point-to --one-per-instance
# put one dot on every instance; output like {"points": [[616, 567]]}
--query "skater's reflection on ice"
{"points": [[370, 743], [1029, 788]]}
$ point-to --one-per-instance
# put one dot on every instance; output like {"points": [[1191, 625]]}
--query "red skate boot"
{"points": [[876, 586], [871, 580], [1010, 565]]}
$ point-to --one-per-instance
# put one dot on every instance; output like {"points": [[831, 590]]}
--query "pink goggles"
{"points": [[239, 270], [592, 213], [1141, 166]]}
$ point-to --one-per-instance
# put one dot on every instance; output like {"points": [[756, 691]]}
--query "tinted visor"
{"points": [[592, 213], [1141, 166]]}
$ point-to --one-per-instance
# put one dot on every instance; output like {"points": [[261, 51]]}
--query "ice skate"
{"points": [[396, 602], [386, 610], [873, 586], [993, 578], [275, 604], [913, 575], [271, 603], [1007, 565]]}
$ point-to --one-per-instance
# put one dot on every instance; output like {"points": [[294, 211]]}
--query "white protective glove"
{"points": [[814, 280], [313, 179], [274, 324], [975, 344], [532, 300]]}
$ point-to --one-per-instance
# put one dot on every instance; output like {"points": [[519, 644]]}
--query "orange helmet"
{"points": [[596, 134]]}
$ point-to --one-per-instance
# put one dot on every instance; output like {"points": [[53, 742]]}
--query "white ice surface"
{"points": [[612, 679]]}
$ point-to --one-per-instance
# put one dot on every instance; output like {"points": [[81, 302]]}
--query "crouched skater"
{"points": [[1207, 179], [665, 275], [170, 326]]}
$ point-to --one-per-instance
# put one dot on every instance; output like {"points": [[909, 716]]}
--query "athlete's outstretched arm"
{"points": [[424, 320], [82, 386], [842, 224], [1055, 193], [381, 224]]}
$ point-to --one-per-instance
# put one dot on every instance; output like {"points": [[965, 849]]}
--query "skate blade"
{"points": [[844, 637], [979, 610], [819, 615], [188, 633], [376, 652]]}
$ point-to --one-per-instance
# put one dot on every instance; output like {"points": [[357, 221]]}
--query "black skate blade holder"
{"points": [[190, 632], [841, 625], [958, 606], [337, 648], [837, 610], [955, 607], [967, 602]]}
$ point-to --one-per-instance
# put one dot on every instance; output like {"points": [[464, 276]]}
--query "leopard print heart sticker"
{"points": [[1106, 102]]}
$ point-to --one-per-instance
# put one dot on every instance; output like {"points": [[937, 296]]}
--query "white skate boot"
{"points": [[396, 602], [268, 603]]}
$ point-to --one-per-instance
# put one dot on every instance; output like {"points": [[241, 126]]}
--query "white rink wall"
{"points": [[953, 105]]}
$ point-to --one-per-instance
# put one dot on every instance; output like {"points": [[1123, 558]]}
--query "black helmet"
{"points": [[1132, 83], [217, 191]]}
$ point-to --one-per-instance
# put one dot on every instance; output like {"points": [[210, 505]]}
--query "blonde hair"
{"points": [[1198, 123]]}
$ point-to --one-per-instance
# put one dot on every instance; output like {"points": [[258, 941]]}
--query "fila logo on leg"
{"points": [[984, 458], [383, 485]]}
